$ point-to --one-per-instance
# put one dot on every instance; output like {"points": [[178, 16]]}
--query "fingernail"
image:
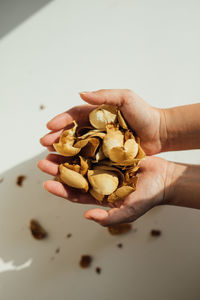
{"points": [[85, 92]]}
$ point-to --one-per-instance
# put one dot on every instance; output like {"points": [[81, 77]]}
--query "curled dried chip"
{"points": [[103, 182], [73, 178], [66, 141], [103, 115]]}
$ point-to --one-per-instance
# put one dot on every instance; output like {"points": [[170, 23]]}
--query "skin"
{"points": [[160, 182]]}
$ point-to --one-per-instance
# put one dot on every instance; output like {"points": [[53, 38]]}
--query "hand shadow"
{"points": [[35, 266]]}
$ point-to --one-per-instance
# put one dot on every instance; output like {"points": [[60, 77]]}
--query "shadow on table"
{"points": [[14, 12], [28, 265]]}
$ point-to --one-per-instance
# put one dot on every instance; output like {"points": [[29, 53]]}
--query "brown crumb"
{"points": [[57, 250], [69, 235], [155, 232], [119, 228], [42, 107], [98, 270], [1, 179], [20, 179], [120, 245], [37, 231], [85, 261]]}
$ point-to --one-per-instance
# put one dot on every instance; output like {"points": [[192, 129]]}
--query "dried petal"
{"points": [[83, 166], [114, 138], [121, 120], [124, 154], [112, 169], [103, 115], [96, 195], [120, 193], [72, 178], [90, 149], [103, 182], [65, 144], [92, 133], [99, 155]]}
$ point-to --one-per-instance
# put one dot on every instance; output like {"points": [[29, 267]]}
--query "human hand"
{"points": [[151, 190], [148, 122]]}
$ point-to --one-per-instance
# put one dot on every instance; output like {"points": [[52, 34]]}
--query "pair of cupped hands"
{"points": [[148, 123]]}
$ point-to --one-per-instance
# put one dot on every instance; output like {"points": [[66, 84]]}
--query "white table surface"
{"points": [[65, 47]]}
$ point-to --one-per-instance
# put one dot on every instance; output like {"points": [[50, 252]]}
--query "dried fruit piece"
{"points": [[119, 228], [72, 178], [37, 230], [42, 107], [155, 232], [57, 250], [85, 261], [98, 270], [103, 115], [20, 180]]}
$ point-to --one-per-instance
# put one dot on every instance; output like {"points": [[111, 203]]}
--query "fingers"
{"points": [[51, 149], [50, 138], [113, 216], [60, 190], [78, 113], [117, 97], [50, 165]]}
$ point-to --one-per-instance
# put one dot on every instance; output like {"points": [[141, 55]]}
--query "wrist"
{"points": [[174, 172], [163, 131]]}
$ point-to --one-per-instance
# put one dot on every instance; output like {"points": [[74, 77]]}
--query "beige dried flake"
{"points": [[103, 158]]}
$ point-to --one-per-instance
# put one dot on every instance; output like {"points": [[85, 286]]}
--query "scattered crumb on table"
{"points": [[1, 179], [69, 235], [85, 261], [119, 228], [37, 230], [98, 270], [120, 245], [57, 250], [155, 232], [20, 179], [42, 107]]}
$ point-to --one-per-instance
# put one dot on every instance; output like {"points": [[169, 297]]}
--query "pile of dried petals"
{"points": [[102, 158]]}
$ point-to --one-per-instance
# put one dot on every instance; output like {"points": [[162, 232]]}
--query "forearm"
{"points": [[180, 127], [183, 185]]}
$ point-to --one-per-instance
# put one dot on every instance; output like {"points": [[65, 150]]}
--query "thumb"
{"points": [[117, 97]]}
